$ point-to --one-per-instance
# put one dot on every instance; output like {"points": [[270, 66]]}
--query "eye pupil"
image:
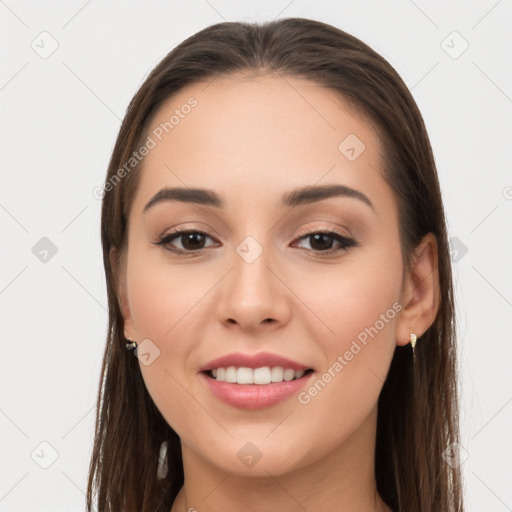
{"points": [[188, 237], [322, 237]]}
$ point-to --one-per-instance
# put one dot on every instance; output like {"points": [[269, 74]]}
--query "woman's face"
{"points": [[255, 281]]}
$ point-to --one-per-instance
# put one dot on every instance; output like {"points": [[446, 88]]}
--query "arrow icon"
{"points": [[454, 45], [249, 249], [249, 455], [147, 352], [351, 147], [44, 455]]}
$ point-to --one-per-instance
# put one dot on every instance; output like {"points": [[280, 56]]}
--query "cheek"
{"points": [[358, 308], [163, 298], [167, 307], [350, 298]]}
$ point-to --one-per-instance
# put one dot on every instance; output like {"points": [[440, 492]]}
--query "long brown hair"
{"points": [[418, 405]]}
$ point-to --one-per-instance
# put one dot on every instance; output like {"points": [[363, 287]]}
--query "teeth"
{"points": [[264, 375], [289, 375], [277, 374], [245, 376], [230, 375]]}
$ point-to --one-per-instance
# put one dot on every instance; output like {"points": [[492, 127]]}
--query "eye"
{"points": [[191, 241], [321, 242]]}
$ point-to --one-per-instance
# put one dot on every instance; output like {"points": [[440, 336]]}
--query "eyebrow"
{"points": [[296, 197]]}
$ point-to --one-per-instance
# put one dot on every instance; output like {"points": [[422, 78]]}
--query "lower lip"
{"points": [[255, 396]]}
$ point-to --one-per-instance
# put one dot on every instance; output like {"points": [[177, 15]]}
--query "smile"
{"points": [[261, 376], [254, 396]]}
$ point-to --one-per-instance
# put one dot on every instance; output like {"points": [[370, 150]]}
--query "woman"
{"points": [[275, 246]]}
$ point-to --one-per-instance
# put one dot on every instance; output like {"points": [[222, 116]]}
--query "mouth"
{"points": [[254, 381], [262, 376], [254, 389]]}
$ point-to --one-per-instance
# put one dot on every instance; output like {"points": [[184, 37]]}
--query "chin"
{"points": [[259, 457]]}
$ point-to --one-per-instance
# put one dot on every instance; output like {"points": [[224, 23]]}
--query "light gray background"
{"points": [[60, 116]]}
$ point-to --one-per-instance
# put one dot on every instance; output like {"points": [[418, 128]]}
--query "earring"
{"points": [[413, 343], [131, 345], [163, 467]]}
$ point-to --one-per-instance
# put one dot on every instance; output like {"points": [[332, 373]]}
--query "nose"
{"points": [[253, 295]]}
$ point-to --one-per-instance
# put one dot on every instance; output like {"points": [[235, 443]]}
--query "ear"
{"points": [[118, 265], [420, 293]]}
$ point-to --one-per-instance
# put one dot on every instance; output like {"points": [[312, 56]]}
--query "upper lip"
{"points": [[239, 359]]}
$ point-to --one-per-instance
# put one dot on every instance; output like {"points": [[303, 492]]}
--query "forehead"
{"points": [[243, 111], [259, 134]]}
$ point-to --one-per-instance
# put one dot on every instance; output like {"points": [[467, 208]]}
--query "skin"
{"points": [[250, 140]]}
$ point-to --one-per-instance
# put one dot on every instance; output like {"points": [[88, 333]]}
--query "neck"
{"points": [[343, 480]]}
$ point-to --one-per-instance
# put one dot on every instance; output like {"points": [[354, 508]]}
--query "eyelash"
{"points": [[345, 242]]}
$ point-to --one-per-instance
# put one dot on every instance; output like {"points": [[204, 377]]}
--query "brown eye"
{"points": [[322, 242], [190, 240]]}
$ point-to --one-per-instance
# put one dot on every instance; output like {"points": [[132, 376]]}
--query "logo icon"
{"points": [[457, 249], [454, 45], [44, 250], [351, 147], [249, 455], [147, 352], [44, 45], [455, 455], [249, 249], [44, 455]]}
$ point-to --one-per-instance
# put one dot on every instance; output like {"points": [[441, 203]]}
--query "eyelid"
{"points": [[321, 229], [194, 227]]}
